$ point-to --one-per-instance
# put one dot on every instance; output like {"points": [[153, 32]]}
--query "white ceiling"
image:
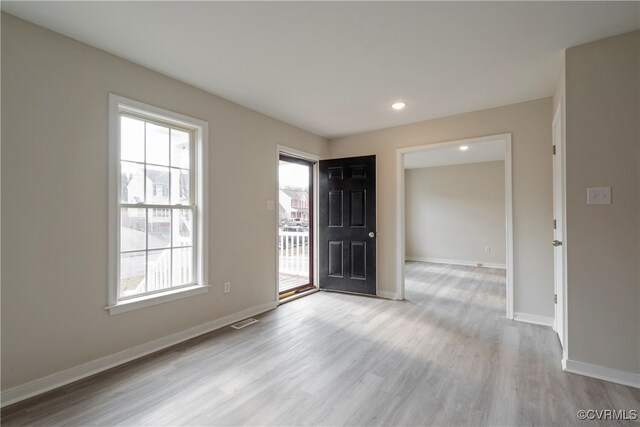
{"points": [[478, 152], [334, 68]]}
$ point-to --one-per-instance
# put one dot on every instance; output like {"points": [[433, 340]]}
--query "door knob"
{"points": [[557, 243], [372, 234]]}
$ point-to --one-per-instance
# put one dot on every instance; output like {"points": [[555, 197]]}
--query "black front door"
{"points": [[347, 223]]}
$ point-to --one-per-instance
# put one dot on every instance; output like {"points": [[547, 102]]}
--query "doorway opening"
{"points": [[455, 234], [295, 225]]}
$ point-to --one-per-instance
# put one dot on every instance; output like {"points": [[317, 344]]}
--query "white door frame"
{"points": [[559, 180], [400, 209], [293, 152]]}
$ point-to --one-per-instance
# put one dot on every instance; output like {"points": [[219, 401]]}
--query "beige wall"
{"points": [[603, 242], [530, 125], [559, 93], [54, 241], [455, 212]]}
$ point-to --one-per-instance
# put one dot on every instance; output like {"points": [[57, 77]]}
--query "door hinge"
{"points": [[554, 150], [555, 224], [555, 298]]}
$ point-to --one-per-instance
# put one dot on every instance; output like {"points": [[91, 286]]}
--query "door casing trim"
{"points": [[558, 117], [293, 152], [508, 195]]}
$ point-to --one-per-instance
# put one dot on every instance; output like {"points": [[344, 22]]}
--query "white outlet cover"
{"points": [[599, 195]]}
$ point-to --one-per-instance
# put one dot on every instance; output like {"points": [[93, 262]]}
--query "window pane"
{"points": [[132, 273], [131, 139], [157, 185], [180, 155], [131, 182], [182, 227], [182, 266], [179, 186], [159, 269], [157, 144], [159, 228], [132, 229]]}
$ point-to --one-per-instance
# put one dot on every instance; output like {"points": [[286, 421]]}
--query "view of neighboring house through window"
{"points": [[157, 213]]}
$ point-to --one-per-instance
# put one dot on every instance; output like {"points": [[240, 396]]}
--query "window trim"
{"points": [[200, 129]]}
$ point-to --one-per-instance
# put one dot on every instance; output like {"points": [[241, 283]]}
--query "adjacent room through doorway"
{"points": [[455, 216]]}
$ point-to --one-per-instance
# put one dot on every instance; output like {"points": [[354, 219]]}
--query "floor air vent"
{"points": [[244, 323]]}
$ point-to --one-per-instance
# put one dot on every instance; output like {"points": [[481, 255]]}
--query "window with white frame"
{"points": [[157, 229]]}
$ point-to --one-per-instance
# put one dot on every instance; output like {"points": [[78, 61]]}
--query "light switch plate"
{"points": [[599, 195], [271, 205]]}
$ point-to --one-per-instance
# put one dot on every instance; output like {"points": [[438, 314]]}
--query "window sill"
{"points": [[149, 300]]}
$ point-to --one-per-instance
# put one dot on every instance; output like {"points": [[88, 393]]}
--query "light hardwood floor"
{"points": [[445, 356]]}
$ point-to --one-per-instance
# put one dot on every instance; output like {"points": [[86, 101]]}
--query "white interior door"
{"points": [[558, 223]]}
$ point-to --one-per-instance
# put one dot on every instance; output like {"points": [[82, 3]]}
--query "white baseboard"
{"points": [[59, 379], [533, 318], [456, 262], [602, 373], [387, 295]]}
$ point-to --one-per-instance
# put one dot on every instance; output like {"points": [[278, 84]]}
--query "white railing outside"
{"points": [[182, 266], [294, 252], [159, 271]]}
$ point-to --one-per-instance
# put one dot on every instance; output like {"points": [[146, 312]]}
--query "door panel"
{"points": [[347, 217], [335, 208]]}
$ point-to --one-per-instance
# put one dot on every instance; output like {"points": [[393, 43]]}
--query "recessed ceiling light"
{"points": [[398, 105], [463, 148]]}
